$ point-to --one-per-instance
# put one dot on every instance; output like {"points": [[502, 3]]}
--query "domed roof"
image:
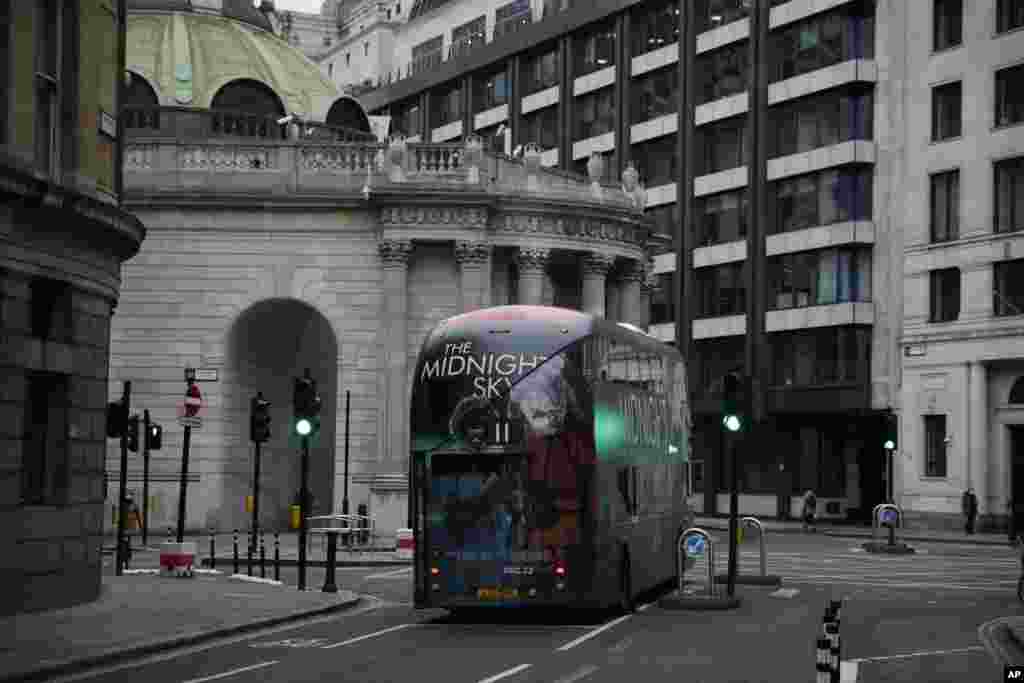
{"points": [[187, 56]]}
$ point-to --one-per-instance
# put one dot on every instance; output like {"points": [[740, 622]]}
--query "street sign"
{"points": [[193, 422], [694, 545], [193, 401], [206, 375], [888, 516]]}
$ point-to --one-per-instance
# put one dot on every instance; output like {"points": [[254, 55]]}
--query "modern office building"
{"points": [[63, 237], [790, 241]]}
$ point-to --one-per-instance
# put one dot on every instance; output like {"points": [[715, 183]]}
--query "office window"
{"points": [[656, 160], [821, 120], [818, 278], [722, 145], [594, 50], [491, 90], [541, 126], [1009, 15], [468, 37], [1009, 187], [945, 206], [721, 290], [825, 39], [51, 309], [665, 219], [821, 356], [47, 84], [427, 55], [44, 457], [944, 285], [654, 25], [722, 72], [948, 23], [511, 17], [407, 119], [446, 106], [721, 218], [946, 111], [663, 300], [654, 94], [595, 113], [1010, 95], [540, 71], [822, 198], [935, 445], [711, 14], [553, 7], [1008, 287]]}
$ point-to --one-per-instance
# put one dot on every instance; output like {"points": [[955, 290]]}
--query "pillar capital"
{"points": [[395, 253], [535, 260], [633, 270], [472, 253], [597, 264]]}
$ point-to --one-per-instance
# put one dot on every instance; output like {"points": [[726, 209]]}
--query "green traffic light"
{"points": [[889, 445], [732, 423], [303, 427]]}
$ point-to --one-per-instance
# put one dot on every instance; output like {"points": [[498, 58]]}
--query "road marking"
{"points": [[232, 672], [367, 636], [825, 581], [596, 631], [925, 653], [388, 575], [505, 674], [578, 674], [291, 642]]}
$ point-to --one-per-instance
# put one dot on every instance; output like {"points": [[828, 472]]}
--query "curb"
{"points": [[243, 563], [717, 526], [125, 655], [1001, 642]]}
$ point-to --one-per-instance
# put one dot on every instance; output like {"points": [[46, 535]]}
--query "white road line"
{"points": [[578, 674], [925, 653], [595, 632], [877, 584], [388, 575], [232, 672], [366, 637], [505, 674]]}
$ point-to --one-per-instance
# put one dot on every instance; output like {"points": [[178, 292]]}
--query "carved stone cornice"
{"points": [[458, 216], [532, 260], [633, 270], [571, 226], [596, 265], [395, 253], [472, 253]]}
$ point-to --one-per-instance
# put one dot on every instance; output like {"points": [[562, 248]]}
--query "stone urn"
{"points": [[630, 177], [473, 149], [595, 167], [531, 158]]}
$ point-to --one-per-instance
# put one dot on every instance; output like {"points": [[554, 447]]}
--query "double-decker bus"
{"points": [[549, 460]]}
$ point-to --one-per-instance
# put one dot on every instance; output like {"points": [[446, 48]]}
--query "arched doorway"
{"points": [[270, 344], [248, 108], [140, 103], [346, 113]]}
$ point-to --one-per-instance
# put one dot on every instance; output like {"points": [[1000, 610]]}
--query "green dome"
{"points": [[187, 57]]}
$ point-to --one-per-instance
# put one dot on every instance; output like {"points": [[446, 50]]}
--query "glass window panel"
{"points": [[827, 262]]}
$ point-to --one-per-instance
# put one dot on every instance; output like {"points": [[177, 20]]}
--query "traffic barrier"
{"points": [[764, 579], [178, 558], [829, 650], [405, 544]]}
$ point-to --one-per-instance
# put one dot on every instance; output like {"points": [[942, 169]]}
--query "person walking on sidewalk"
{"points": [[969, 504], [810, 507]]}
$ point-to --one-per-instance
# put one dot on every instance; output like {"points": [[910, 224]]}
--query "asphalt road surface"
{"points": [[906, 618]]}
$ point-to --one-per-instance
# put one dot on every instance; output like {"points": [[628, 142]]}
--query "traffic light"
{"points": [[306, 406], [732, 412], [133, 433], [259, 419], [890, 438], [154, 437], [117, 418]]}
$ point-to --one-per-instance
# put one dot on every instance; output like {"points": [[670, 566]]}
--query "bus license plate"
{"points": [[497, 594]]}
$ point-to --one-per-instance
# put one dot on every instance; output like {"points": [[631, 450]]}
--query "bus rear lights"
{"points": [[559, 570], [434, 571], [560, 586]]}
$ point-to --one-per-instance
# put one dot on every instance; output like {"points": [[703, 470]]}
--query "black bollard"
{"points": [[332, 555], [824, 669], [236, 552], [277, 558], [263, 558], [251, 550], [892, 534], [213, 556]]}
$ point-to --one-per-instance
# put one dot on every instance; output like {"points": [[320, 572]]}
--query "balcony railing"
{"points": [[182, 123]]}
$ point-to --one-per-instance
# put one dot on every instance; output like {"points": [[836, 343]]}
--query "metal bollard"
{"points": [[250, 551], [263, 558], [236, 552], [213, 555], [277, 558], [330, 585], [834, 660]]}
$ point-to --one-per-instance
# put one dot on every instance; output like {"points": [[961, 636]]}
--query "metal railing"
{"points": [[191, 124]]}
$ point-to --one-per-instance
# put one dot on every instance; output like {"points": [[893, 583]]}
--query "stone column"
{"points": [[595, 268], [978, 434], [612, 294], [474, 275], [648, 288], [532, 265], [394, 346], [633, 311]]}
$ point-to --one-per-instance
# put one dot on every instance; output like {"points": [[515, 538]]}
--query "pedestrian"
{"points": [[810, 506], [969, 505]]}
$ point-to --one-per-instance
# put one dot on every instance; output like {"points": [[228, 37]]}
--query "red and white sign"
{"points": [[193, 400]]}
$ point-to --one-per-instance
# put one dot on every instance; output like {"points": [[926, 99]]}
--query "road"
{"points": [[907, 618]]}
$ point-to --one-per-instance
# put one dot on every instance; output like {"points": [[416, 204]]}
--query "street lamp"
{"points": [[303, 427]]}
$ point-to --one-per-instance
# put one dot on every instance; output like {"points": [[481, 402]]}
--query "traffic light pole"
{"points": [[123, 495], [303, 502], [256, 496], [183, 488], [145, 477], [734, 505], [344, 501]]}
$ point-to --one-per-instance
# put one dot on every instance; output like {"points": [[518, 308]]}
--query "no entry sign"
{"points": [[193, 401]]}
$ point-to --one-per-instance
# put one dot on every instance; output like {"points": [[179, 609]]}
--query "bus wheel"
{"points": [[626, 603]]}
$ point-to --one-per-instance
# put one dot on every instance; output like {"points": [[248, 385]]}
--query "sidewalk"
{"points": [[774, 526], [141, 614]]}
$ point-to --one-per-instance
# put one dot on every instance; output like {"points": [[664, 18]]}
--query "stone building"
{"points": [[63, 236], [273, 248]]}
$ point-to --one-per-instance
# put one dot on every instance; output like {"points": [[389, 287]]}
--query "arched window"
{"points": [[346, 113], [1017, 392], [141, 103], [247, 107]]}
